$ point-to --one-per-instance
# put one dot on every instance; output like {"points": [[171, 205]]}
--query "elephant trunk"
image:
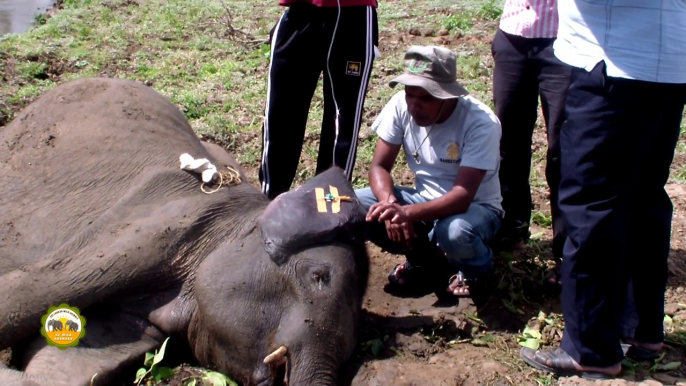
{"points": [[312, 368]]}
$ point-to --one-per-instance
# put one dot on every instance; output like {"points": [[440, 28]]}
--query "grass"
{"points": [[184, 50]]}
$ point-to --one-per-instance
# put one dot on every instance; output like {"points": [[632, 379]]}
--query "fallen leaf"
{"points": [[530, 343], [671, 366], [536, 236]]}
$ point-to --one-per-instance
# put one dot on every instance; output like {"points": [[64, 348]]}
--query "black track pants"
{"points": [[301, 50]]}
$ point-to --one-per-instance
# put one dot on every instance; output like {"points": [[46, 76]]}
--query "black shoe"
{"points": [[509, 236]]}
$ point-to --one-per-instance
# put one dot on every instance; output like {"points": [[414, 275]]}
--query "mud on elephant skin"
{"points": [[96, 213]]}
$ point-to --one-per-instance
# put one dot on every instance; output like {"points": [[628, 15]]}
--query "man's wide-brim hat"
{"points": [[434, 69]]}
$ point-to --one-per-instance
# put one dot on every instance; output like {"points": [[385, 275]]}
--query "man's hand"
{"points": [[393, 214], [401, 233], [387, 211]]}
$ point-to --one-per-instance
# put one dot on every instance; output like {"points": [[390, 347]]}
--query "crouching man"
{"points": [[451, 141]]}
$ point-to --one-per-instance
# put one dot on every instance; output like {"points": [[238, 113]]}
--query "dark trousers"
{"points": [[524, 69], [301, 50], [617, 144]]}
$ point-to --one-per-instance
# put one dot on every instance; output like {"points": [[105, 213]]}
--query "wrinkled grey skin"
{"points": [[95, 212]]}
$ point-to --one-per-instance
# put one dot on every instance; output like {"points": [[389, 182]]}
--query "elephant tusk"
{"points": [[92, 378], [276, 355]]}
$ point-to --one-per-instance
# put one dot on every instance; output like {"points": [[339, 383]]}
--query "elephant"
{"points": [[97, 212], [72, 326], [55, 325]]}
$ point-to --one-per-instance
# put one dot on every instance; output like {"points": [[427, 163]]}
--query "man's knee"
{"points": [[366, 197], [451, 234]]}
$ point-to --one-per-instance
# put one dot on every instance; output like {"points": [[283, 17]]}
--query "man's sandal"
{"points": [[458, 285], [557, 361], [404, 274], [639, 354]]}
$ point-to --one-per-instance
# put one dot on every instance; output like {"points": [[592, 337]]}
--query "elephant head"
{"points": [[295, 285]]}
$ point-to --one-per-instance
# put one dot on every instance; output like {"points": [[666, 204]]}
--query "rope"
{"points": [[225, 178]]}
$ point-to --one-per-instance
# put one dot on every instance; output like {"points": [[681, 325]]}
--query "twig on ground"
{"points": [[236, 34]]}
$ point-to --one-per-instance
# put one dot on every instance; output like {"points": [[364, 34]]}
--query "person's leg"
{"points": [[553, 81], [515, 95], [290, 87], [649, 203], [346, 76], [421, 257], [464, 239], [607, 119]]}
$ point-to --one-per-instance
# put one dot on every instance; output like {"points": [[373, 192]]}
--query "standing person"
{"points": [[526, 68], [338, 38], [624, 107], [451, 143]]}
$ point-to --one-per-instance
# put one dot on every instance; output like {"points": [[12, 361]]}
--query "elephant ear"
{"points": [[296, 219]]}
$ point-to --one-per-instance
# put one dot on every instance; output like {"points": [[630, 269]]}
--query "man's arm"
{"points": [[480, 155], [380, 179], [457, 200]]}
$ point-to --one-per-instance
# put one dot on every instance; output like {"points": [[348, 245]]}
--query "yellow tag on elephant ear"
{"points": [[321, 203], [335, 203]]}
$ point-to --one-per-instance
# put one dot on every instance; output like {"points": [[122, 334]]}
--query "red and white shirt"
{"points": [[530, 18], [333, 3]]}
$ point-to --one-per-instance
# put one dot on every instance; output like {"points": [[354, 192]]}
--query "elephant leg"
{"points": [[127, 255], [114, 343]]}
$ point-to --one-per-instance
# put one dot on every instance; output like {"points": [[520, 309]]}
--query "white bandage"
{"points": [[201, 165]]}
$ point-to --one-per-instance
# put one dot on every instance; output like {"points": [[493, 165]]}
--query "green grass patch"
{"points": [[459, 21]]}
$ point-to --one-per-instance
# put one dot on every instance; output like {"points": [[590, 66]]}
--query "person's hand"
{"points": [[401, 233], [387, 211], [393, 215]]}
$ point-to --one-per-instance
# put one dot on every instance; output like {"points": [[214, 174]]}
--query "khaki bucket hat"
{"points": [[434, 69]]}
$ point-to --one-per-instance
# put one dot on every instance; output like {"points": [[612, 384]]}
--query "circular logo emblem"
{"points": [[63, 326], [453, 151]]}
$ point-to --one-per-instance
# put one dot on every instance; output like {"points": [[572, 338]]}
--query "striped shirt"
{"points": [[333, 3], [530, 18]]}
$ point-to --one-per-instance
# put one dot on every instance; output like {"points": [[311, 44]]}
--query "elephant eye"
{"points": [[321, 276]]}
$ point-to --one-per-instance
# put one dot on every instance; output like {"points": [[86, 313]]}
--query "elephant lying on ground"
{"points": [[96, 212]]}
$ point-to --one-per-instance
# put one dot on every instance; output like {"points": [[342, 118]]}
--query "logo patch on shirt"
{"points": [[452, 154], [353, 68]]}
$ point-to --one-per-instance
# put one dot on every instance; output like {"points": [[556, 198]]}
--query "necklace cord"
{"points": [[415, 154]]}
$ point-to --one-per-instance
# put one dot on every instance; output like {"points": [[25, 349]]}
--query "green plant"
{"points": [[657, 366], [33, 70], [542, 219], [374, 346], [462, 21], [213, 378], [491, 10], [150, 366], [40, 19]]}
